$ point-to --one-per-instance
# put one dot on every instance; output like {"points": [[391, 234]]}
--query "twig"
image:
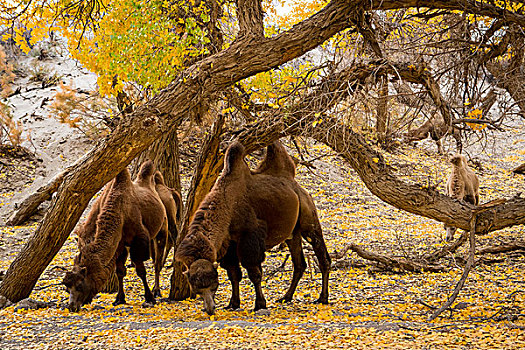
{"points": [[419, 300], [466, 270], [392, 262], [48, 286], [277, 269], [447, 249]]}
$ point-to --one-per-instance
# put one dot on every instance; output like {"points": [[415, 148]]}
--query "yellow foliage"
{"points": [[475, 113]]}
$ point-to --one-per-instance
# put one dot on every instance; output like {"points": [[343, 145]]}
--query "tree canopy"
{"points": [[312, 71]]}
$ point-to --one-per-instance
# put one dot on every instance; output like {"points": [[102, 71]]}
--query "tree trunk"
{"points": [[382, 110], [165, 154], [137, 131], [206, 171]]}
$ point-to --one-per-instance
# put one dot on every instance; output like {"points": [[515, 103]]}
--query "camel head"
{"points": [[203, 278], [450, 233], [80, 290]]}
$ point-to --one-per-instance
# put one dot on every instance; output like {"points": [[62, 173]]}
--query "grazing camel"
{"points": [[245, 214], [127, 214]]}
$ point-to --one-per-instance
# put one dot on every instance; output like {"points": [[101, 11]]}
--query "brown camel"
{"points": [[245, 214], [127, 214], [462, 184], [173, 204]]}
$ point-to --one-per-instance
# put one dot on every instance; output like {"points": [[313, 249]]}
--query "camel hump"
{"points": [[281, 158], [234, 154], [277, 162], [123, 177], [457, 159], [146, 171], [159, 179]]}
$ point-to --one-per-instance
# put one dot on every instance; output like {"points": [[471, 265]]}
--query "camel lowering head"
{"points": [[81, 290], [204, 280]]}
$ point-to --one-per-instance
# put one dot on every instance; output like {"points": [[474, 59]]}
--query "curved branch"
{"points": [[201, 81]]}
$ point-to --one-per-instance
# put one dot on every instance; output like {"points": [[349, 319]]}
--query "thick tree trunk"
{"points": [[206, 171], [199, 82]]}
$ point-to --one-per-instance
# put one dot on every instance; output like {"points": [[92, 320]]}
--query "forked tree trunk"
{"points": [[206, 171], [249, 55]]}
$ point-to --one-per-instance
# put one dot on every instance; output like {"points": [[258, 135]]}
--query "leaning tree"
{"points": [[207, 74]]}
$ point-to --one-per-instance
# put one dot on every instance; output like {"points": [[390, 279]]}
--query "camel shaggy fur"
{"points": [[173, 204], [245, 214], [462, 184], [127, 214]]}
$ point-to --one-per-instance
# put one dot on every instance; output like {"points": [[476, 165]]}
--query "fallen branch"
{"points": [[31, 203], [447, 249], [518, 245], [395, 263]]}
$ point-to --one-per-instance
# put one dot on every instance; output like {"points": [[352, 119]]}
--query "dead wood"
{"points": [[472, 252], [466, 270], [520, 169], [504, 248], [395, 263], [447, 249], [31, 203]]}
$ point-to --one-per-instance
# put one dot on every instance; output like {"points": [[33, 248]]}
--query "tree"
{"points": [[251, 53]]}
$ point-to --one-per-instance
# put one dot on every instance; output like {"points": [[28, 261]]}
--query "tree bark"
{"points": [[194, 85], [206, 172], [30, 204], [382, 110]]}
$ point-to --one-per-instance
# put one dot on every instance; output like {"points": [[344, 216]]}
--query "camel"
{"points": [[245, 214], [126, 215], [172, 202], [462, 184]]}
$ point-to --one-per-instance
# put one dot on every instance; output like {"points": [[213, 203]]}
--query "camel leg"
{"points": [[299, 265], [139, 252], [169, 245], [317, 241], [141, 272], [121, 273], [159, 245], [255, 275], [230, 262]]}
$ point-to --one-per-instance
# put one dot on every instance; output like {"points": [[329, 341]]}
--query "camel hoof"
{"points": [[233, 306], [321, 300], [284, 300]]}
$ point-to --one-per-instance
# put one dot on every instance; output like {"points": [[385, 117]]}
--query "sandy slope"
{"points": [[55, 145]]}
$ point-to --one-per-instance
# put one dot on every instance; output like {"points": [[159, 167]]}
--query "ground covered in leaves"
{"points": [[370, 307]]}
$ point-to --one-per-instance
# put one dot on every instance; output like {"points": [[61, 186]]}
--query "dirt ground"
{"points": [[369, 307]]}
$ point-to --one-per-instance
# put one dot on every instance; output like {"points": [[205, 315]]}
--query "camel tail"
{"points": [[178, 201]]}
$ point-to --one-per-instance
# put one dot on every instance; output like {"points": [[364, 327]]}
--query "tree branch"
{"points": [[250, 15]]}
